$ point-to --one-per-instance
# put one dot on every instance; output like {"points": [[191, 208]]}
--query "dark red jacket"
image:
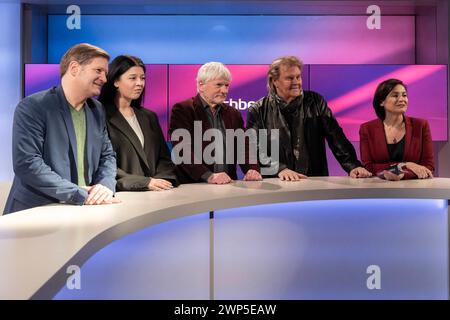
{"points": [[418, 146], [183, 115]]}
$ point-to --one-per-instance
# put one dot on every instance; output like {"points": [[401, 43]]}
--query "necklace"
{"points": [[394, 133]]}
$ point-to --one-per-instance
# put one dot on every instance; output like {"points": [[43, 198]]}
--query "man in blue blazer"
{"points": [[61, 149]]}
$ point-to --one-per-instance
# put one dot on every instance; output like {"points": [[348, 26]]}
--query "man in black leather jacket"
{"points": [[304, 121]]}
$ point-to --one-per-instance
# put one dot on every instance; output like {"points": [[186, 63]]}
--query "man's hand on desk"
{"points": [[252, 175], [219, 178], [290, 175], [360, 172], [99, 194]]}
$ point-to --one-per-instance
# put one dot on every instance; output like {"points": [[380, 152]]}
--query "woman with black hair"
{"points": [[143, 158], [395, 146]]}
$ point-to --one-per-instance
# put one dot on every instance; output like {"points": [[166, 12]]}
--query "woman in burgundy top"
{"points": [[395, 146]]}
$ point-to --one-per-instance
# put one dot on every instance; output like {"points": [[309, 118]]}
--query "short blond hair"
{"points": [[274, 71], [82, 53]]}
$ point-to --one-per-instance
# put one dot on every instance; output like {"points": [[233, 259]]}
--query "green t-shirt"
{"points": [[79, 124]]}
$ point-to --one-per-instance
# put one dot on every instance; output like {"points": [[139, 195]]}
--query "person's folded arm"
{"points": [[426, 155]]}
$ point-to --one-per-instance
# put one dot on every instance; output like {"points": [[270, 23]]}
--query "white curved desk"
{"points": [[37, 245]]}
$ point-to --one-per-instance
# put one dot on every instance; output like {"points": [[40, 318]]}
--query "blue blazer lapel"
{"points": [[65, 113]]}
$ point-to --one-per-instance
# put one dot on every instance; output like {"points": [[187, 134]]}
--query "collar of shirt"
{"points": [[206, 105]]}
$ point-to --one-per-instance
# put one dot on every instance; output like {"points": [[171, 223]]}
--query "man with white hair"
{"points": [[208, 109]]}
